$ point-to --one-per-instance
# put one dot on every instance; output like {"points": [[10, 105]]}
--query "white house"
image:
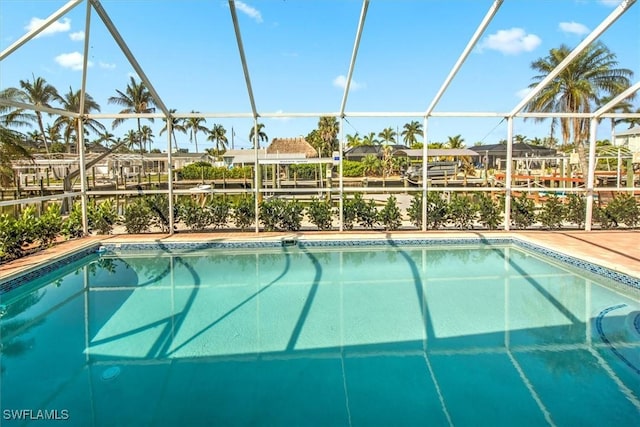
{"points": [[629, 138]]}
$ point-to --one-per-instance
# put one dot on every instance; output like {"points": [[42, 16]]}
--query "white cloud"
{"points": [[511, 42], [71, 60], [77, 36], [341, 82], [610, 3], [523, 92], [250, 11], [60, 26], [573, 28], [106, 65]]}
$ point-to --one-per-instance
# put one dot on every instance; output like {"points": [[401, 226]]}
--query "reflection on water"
{"points": [[427, 335]]}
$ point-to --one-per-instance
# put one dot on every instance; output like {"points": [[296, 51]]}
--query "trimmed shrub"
{"points": [[462, 212], [72, 225], [194, 216], [576, 209], [219, 209], [522, 211], [414, 211], [552, 213], [281, 215], [489, 212], [390, 215], [103, 217], [437, 210], [243, 212], [50, 225], [320, 213], [137, 216]]}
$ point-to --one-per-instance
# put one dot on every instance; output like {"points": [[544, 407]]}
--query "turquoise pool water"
{"points": [[311, 336]]}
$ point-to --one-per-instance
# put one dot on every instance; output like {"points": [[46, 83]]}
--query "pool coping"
{"points": [[44, 264]]}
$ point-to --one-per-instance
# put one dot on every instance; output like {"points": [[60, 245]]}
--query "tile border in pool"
{"points": [[14, 282]]}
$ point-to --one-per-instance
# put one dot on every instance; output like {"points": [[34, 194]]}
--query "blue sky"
{"points": [[298, 55]]}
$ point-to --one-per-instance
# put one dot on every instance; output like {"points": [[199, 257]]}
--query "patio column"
{"points": [[508, 174], [593, 124]]}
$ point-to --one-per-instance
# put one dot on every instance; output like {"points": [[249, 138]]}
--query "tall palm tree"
{"points": [[193, 125], [146, 136], [520, 139], [410, 131], [135, 99], [592, 75], [354, 140], [328, 128], [217, 134], [68, 126], [41, 94], [131, 138], [260, 134], [388, 136], [455, 141], [176, 125], [370, 139]]}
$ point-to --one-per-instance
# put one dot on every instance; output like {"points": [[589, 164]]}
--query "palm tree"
{"points": [[520, 139], [536, 141], [370, 139], [131, 138], [68, 126], [592, 75], [328, 128], [455, 141], [107, 138], [40, 93], [146, 136], [135, 99], [410, 131], [354, 140], [388, 136], [218, 135], [194, 125], [260, 134], [11, 148], [176, 125]]}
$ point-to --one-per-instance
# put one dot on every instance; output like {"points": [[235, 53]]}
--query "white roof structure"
{"points": [[340, 111]]}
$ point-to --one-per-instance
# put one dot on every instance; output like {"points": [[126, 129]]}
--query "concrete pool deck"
{"points": [[617, 250]]}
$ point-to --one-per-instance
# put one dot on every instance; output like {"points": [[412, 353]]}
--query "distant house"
{"points": [[360, 152], [629, 138], [495, 154]]}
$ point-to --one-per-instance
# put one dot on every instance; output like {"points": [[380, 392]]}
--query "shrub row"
{"points": [[29, 232]]}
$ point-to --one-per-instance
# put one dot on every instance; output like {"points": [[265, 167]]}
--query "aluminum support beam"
{"points": [[425, 157], [80, 119], [43, 26], [508, 175], [341, 178], [43, 109], [130, 57], [243, 58], [354, 54], [606, 23], [465, 53], [593, 125], [170, 176]]}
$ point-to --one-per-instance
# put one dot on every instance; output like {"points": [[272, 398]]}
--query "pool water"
{"points": [[303, 336]]}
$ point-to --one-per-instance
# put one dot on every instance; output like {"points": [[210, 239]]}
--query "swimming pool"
{"points": [[302, 333]]}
